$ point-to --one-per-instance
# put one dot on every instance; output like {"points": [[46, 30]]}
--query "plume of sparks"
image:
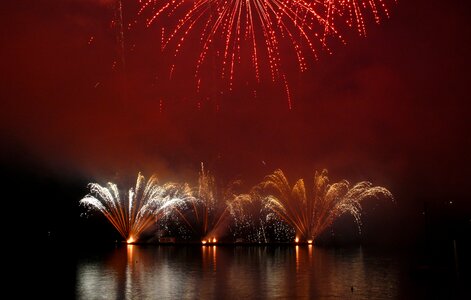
{"points": [[138, 209], [207, 210], [257, 32], [311, 214]]}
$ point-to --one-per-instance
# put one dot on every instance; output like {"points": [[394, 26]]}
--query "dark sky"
{"points": [[392, 107]]}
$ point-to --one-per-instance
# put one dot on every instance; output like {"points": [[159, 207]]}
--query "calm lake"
{"points": [[243, 272]]}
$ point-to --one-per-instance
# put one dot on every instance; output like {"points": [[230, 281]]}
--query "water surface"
{"points": [[243, 272], [236, 272]]}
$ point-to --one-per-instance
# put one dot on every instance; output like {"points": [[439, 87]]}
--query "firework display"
{"points": [[271, 211]]}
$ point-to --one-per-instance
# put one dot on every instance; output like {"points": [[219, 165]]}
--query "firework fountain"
{"points": [[206, 211], [272, 211], [134, 212], [311, 215]]}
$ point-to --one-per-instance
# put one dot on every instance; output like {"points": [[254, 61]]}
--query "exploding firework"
{"points": [[138, 209], [207, 211], [253, 34], [310, 216]]}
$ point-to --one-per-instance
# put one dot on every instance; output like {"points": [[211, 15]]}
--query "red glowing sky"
{"points": [[392, 107]]}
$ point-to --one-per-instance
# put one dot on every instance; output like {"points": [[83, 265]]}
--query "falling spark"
{"points": [[251, 217], [120, 33]]}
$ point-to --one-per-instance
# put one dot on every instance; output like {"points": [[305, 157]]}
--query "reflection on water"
{"points": [[202, 272]]}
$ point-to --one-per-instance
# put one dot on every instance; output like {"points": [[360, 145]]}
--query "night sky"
{"points": [[392, 108]]}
